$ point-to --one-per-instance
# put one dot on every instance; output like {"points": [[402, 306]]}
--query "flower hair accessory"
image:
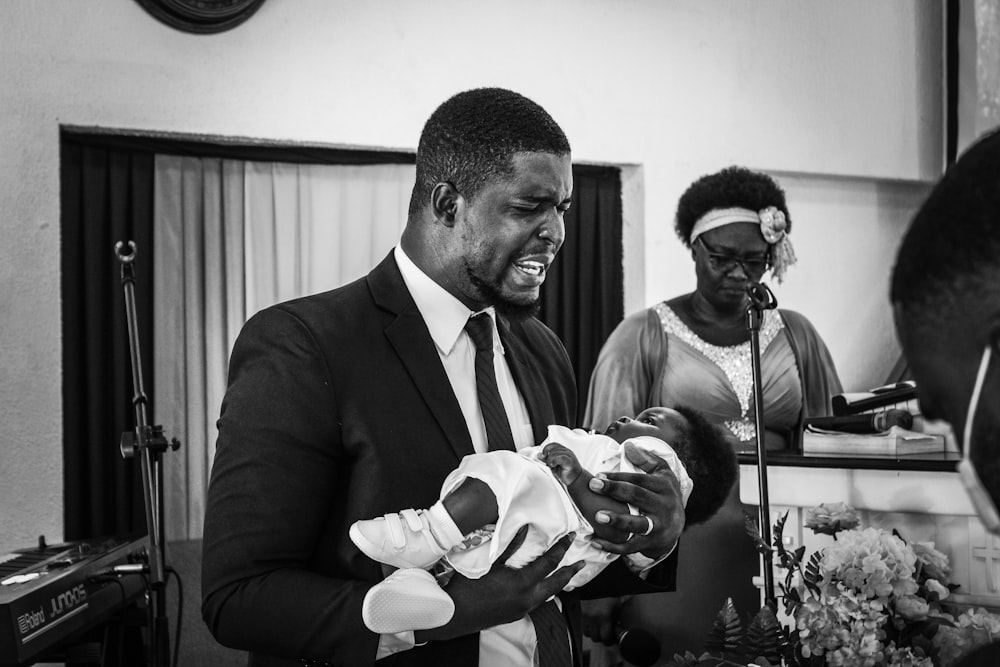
{"points": [[773, 226]]}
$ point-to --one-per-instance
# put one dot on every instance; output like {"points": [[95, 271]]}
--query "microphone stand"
{"points": [[761, 299], [149, 443]]}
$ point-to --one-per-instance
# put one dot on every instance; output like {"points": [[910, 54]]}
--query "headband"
{"points": [[772, 226]]}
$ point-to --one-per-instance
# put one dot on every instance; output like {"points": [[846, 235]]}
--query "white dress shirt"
{"points": [[514, 643]]}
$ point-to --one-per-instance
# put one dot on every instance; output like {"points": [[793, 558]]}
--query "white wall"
{"points": [[679, 88], [846, 232]]}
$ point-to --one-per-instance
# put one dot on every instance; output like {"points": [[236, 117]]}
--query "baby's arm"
{"points": [[567, 469]]}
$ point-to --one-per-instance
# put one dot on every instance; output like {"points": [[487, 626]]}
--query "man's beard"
{"points": [[504, 306]]}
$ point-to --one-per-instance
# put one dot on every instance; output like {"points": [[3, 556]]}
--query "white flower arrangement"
{"points": [[867, 600]]}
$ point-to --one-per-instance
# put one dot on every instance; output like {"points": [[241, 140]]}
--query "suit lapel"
{"points": [[408, 335], [529, 383]]}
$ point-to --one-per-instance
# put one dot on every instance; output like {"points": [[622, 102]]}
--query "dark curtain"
{"points": [[582, 297], [107, 196], [952, 10]]}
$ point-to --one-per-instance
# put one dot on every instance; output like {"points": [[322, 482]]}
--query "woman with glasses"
{"points": [[694, 349]]}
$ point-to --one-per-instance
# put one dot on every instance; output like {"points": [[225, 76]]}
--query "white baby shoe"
{"points": [[408, 599], [401, 540]]}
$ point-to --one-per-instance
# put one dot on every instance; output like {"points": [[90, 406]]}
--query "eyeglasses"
{"points": [[725, 262]]}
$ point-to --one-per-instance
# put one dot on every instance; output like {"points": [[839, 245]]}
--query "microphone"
{"points": [[865, 423], [638, 647], [761, 296]]}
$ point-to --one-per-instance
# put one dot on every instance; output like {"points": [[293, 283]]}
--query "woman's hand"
{"points": [[657, 496]]}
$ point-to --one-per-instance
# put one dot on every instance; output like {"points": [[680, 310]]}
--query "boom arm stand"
{"points": [[148, 443]]}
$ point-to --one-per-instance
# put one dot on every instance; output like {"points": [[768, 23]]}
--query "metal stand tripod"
{"points": [[149, 443], [761, 299]]}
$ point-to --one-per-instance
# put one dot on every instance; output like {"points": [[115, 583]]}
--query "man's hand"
{"points": [[504, 594], [657, 495]]}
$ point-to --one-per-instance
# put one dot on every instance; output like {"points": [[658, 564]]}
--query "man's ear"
{"points": [[444, 202]]}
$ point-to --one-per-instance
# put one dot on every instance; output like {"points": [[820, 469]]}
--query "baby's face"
{"points": [[663, 423]]}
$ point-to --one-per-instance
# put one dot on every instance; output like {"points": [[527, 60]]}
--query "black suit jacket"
{"points": [[338, 409]]}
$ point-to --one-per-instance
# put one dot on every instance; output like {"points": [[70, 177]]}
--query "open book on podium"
{"points": [[896, 441]]}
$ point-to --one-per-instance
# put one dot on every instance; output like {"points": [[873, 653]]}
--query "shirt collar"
{"points": [[444, 315]]}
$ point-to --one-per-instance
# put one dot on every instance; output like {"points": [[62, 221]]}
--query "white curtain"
{"points": [[311, 228], [198, 282], [231, 238]]}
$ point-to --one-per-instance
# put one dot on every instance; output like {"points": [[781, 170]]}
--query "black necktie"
{"points": [[553, 636], [550, 625], [498, 436]]}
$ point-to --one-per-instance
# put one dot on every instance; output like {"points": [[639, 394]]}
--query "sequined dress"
{"points": [[719, 379]]}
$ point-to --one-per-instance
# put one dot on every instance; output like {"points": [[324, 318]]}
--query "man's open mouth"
{"points": [[531, 267]]}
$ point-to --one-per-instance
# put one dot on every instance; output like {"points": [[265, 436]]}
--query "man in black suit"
{"points": [[355, 402], [946, 300]]}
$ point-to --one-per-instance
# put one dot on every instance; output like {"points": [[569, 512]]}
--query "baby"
{"points": [[491, 496]]}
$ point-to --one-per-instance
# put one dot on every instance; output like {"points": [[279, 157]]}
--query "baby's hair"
{"points": [[707, 452]]}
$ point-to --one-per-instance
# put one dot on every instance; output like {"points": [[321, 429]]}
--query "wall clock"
{"points": [[201, 16]]}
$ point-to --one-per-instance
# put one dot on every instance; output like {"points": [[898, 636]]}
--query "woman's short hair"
{"points": [[471, 138], [732, 187]]}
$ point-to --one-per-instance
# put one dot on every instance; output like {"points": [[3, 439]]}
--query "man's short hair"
{"points": [[953, 245], [472, 137]]}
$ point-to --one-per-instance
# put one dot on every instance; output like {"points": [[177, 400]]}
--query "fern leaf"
{"points": [[799, 553], [727, 630], [750, 526], [779, 527], [792, 601], [812, 576], [764, 637]]}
